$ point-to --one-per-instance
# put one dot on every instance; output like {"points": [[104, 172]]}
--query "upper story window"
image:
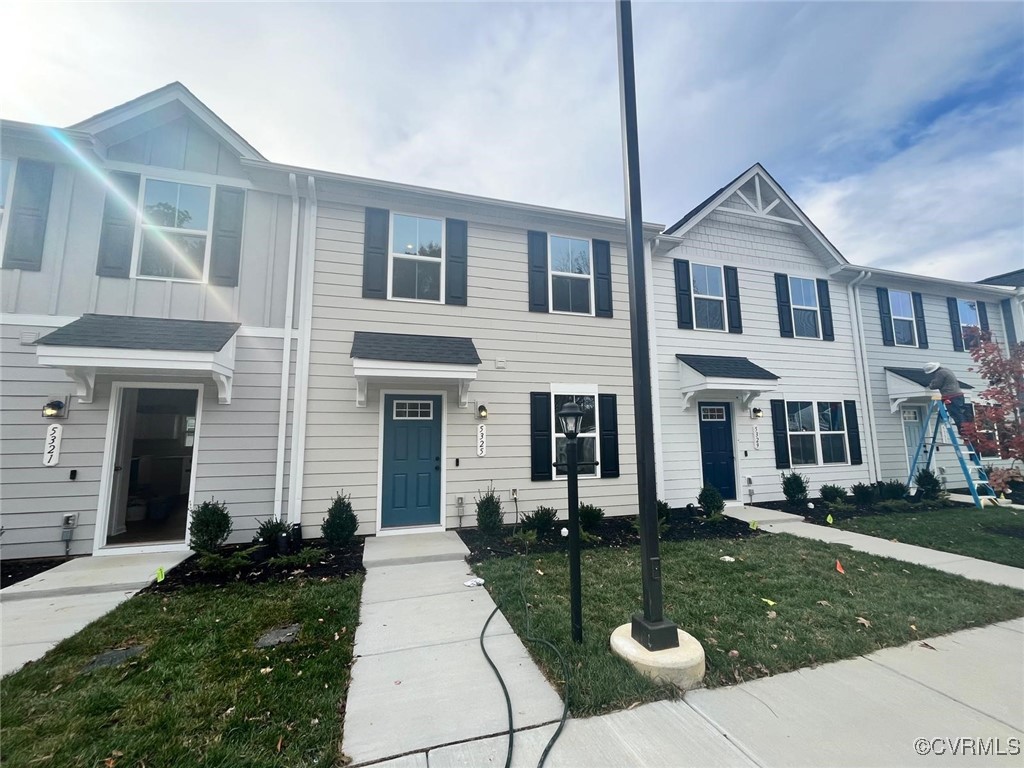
{"points": [[708, 297], [816, 429], [902, 306], [970, 322], [417, 257], [571, 273], [175, 223], [587, 446], [804, 296]]}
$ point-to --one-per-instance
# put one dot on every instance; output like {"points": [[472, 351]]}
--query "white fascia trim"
{"points": [[364, 370], [878, 277]]}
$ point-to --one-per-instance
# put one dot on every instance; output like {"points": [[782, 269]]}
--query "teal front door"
{"points": [[411, 476]]}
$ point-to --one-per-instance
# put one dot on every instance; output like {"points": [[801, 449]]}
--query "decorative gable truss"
{"points": [[757, 198]]}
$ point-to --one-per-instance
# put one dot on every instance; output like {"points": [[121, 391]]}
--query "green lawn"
{"points": [[816, 609], [991, 533], [201, 694]]}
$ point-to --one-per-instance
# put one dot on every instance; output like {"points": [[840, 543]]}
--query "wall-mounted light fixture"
{"points": [[756, 413], [481, 411], [55, 409]]}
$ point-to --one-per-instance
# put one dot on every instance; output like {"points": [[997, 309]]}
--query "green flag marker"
{"points": [[159, 574], [753, 525], [829, 519]]}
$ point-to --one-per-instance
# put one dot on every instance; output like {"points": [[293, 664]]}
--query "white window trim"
{"points": [[963, 325], [893, 317], [416, 257], [589, 277], [5, 195], [793, 306], [694, 296], [817, 433], [586, 390], [137, 243]]}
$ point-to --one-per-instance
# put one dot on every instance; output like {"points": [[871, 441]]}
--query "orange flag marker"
{"points": [[839, 567]]}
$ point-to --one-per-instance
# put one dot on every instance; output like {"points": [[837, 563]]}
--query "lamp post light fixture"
{"points": [[570, 417]]}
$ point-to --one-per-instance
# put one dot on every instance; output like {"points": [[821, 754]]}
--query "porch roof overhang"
{"points": [[389, 356], [150, 346], [720, 373], [910, 385]]}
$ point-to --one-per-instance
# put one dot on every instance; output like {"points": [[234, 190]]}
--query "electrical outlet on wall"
{"points": [[514, 494]]}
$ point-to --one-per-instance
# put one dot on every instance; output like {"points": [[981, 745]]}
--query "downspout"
{"points": [[863, 372], [286, 351], [302, 357]]}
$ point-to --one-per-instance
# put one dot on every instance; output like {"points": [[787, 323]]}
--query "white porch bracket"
{"points": [[85, 383], [223, 382], [392, 371], [750, 397], [464, 392], [896, 403], [360, 391]]}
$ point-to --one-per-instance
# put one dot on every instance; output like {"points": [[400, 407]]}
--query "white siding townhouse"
{"points": [[183, 320]]}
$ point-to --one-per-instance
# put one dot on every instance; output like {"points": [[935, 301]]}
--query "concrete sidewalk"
{"points": [[39, 612], [774, 521]]}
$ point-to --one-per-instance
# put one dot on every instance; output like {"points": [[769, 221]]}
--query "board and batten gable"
{"points": [[808, 369], [522, 351], [889, 427]]}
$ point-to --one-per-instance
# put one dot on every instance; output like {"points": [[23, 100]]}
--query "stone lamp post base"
{"points": [[682, 666]]}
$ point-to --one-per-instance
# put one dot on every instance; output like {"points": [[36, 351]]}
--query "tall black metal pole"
{"points": [[650, 628], [575, 598]]}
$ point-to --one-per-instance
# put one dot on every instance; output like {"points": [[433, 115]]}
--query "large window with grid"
{"points": [[708, 297], [817, 432], [803, 293], [571, 271], [901, 304], [417, 258], [175, 222]]}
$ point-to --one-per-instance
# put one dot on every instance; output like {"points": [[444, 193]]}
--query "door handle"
{"points": [[437, 468], [117, 468]]}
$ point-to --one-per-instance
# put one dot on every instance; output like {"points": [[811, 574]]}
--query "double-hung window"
{"points": [[903, 325], [708, 297], [175, 228], [970, 322], [817, 432], [587, 447], [804, 297], [571, 275], [417, 258]]}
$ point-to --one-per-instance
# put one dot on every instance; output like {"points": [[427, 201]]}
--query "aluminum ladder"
{"points": [[974, 472]]}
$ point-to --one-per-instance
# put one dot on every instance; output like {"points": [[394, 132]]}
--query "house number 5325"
{"points": [[481, 439]]}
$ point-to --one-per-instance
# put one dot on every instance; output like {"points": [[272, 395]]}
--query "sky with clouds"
{"points": [[897, 127]]}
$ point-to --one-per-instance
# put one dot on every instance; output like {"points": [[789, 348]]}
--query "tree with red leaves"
{"points": [[998, 426]]}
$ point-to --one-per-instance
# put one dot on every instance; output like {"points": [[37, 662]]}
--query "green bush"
{"points": [[711, 501], [863, 494], [794, 487], [210, 526], [225, 565], [833, 494], [269, 530], [929, 487], [489, 518], [339, 527], [891, 490], [590, 516], [895, 506], [303, 557], [664, 511], [541, 521], [841, 509]]}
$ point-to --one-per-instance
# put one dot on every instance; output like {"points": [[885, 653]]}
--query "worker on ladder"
{"points": [[946, 382]]}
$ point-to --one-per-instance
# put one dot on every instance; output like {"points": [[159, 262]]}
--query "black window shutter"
{"points": [[922, 327], [1011, 331], [375, 253], [853, 431], [117, 235], [537, 253], [456, 256], [983, 316], [780, 435], [732, 300], [226, 248], [602, 278], [540, 436], [684, 305], [885, 316], [785, 310], [30, 205], [828, 332], [954, 324], [607, 414]]}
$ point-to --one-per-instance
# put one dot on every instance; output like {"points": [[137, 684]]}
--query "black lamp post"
{"points": [[570, 416]]}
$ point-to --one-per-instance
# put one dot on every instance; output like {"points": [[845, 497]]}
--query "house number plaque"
{"points": [[51, 451], [481, 439]]}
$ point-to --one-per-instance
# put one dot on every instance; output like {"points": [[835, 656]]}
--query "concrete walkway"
{"points": [[39, 612], [774, 521]]}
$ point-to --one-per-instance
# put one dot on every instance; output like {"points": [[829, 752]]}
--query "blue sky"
{"points": [[898, 128]]}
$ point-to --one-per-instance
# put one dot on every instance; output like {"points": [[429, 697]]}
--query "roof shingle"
{"points": [[724, 367], [126, 332], [918, 376], [413, 348]]}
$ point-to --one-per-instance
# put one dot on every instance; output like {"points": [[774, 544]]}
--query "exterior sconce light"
{"points": [[756, 413], [55, 409], [481, 411]]}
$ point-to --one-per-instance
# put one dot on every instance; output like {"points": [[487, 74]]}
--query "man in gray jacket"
{"points": [[946, 382]]}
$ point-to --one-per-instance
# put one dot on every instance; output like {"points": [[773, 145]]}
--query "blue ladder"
{"points": [[974, 472]]}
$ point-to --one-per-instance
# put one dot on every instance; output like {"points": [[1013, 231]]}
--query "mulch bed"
{"points": [[820, 510], [13, 571], [613, 532], [261, 567]]}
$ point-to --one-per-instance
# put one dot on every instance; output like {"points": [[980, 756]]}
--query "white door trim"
{"points": [[733, 437], [444, 463], [100, 546]]}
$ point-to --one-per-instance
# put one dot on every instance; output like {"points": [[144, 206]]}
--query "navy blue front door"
{"points": [[716, 454], [411, 477]]}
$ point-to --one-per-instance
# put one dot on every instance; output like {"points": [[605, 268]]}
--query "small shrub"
{"points": [[225, 565], [524, 538], [210, 526], [794, 487], [590, 516], [895, 506], [891, 490], [929, 487], [833, 494], [269, 530], [662, 525], [664, 511], [489, 518], [863, 494], [303, 557], [841, 509], [339, 527], [711, 501], [541, 521]]}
